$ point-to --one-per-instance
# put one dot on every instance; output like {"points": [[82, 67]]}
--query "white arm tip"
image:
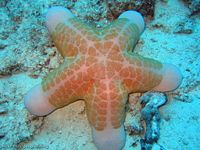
{"points": [[56, 15], [109, 138], [172, 78], [134, 17], [37, 103]]}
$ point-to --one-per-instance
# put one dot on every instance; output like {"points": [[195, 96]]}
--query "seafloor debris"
{"points": [[146, 7], [10, 69], [3, 110], [151, 102], [194, 6], [17, 126], [93, 11], [3, 44], [184, 27], [98, 12], [133, 124]]}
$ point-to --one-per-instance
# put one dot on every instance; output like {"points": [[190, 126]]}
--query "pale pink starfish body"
{"points": [[101, 69]]}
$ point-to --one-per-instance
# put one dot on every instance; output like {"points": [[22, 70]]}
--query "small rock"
{"points": [[3, 111], [144, 145], [2, 135], [158, 25], [151, 102], [194, 6], [184, 28], [2, 101], [184, 98], [133, 130], [153, 99], [2, 45]]}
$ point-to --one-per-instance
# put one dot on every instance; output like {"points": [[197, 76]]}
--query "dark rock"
{"points": [[194, 6], [133, 130], [2, 135], [184, 28], [150, 114], [3, 46], [3, 108]]}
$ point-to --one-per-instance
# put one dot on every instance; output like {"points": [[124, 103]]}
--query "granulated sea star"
{"points": [[101, 69]]}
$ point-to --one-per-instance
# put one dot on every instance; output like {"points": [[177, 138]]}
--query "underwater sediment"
{"points": [[27, 54]]}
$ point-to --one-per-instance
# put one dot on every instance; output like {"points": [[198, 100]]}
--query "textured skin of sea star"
{"points": [[100, 68]]}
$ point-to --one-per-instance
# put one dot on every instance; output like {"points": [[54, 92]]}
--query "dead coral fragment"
{"points": [[151, 102]]}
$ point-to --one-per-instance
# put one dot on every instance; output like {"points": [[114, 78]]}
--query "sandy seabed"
{"points": [[27, 54]]}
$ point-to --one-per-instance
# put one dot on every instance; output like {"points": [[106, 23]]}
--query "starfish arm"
{"points": [[68, 33], [57, 15], [140, 74], [70, 37], [37, 102], [130, 25], [66, 84], [134, 17], [123, 33], [106, 112], [171, 79], [106, 103]]}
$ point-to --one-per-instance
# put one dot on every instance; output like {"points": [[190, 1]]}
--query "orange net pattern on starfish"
{"points": [[102, 71], [100, 68]]}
